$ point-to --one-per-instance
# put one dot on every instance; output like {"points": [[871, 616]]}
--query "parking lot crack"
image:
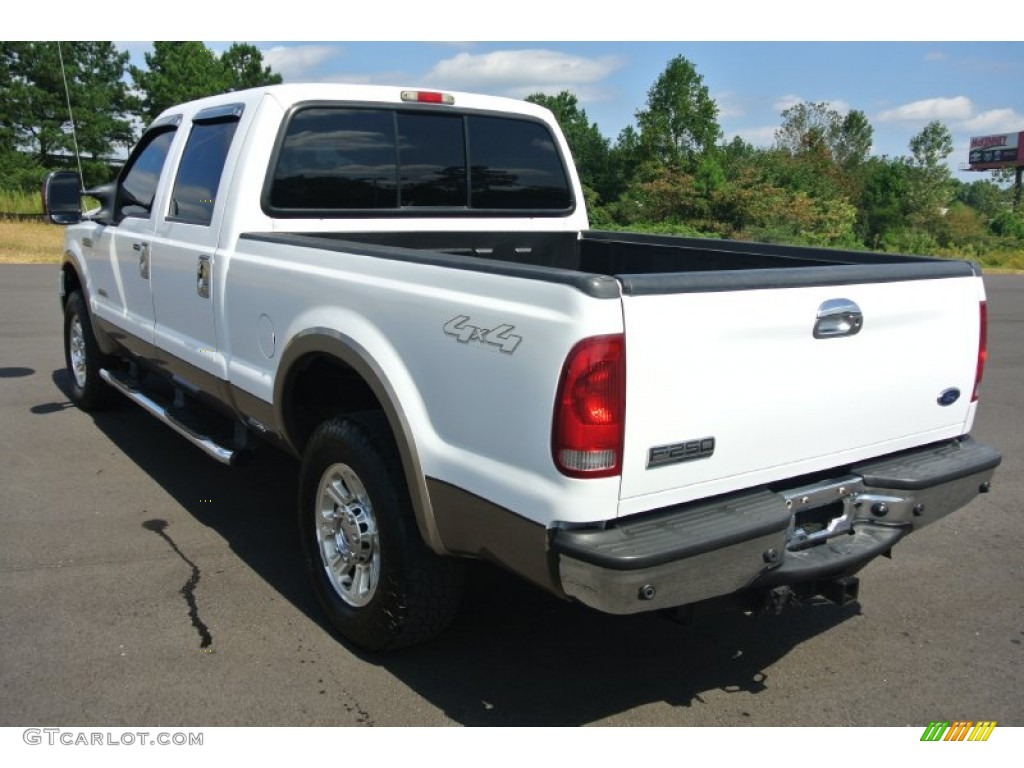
{"points": [[188, 590]]}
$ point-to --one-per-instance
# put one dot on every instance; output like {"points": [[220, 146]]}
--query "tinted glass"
{"points": [[515, 164], [432, 157], [202, 164], [337, 159], [144, 174], [372, 159]]}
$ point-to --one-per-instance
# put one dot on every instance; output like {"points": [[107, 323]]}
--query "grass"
{"points": [[30, 242], [12, 201]]}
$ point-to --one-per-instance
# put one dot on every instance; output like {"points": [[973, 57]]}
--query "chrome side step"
{"points": [[212, 449]]}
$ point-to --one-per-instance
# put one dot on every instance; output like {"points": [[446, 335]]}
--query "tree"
{"points": [[590, 149], [984, 196], [883, 202], [182, 71], [243, 68], [853, 143], [816, 128], [930, 187], [34, 121], [680, 121], [808, 128]]}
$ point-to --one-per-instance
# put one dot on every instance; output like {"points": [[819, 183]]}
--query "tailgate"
{"points": [[730, 389]]}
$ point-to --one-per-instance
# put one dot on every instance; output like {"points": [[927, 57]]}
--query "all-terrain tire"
{"points": [[380, 585], [83, 358]]}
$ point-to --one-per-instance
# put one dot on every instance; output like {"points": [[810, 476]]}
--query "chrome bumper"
{"points": [[766, 538]]}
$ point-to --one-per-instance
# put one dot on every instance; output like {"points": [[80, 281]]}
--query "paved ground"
{"points": [[113, 529]]}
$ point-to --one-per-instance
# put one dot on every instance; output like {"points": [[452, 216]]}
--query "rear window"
{"points": [[341, 161]]}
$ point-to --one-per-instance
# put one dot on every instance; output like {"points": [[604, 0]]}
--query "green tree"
{"points": [[883, 202], [243, 68], [930, 188], [852, 145], [808, 127], [177, 72], [680, 120], [35, 126], [984, 196], [590, 149], [817, 128]]}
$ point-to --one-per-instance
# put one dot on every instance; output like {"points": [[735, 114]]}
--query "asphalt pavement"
{"points": [[144, 583]]}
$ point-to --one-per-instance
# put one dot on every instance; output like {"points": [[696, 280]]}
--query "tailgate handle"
{"points": [[838, 317]]}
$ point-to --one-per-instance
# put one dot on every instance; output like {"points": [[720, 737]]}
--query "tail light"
{"points": [[590, 409], [982, 347]]}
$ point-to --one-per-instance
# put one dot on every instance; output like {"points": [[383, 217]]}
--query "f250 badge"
{"points": [[500, 336]]}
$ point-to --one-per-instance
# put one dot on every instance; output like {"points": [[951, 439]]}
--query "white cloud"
{"points": [[994, 120], [787, 101], [955, 108], [791, 100], [728, 106], [395, 77], [295, 62], [762, 136], [520, 73], [936, 56]]}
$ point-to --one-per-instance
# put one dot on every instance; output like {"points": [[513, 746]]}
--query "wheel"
{"points": [[83, 357], [378, 582]]}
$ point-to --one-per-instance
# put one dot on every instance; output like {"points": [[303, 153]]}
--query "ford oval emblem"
{"points": [[949, 396]]}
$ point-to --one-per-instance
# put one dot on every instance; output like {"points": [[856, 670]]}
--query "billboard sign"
{"points": [[1003, 150]]}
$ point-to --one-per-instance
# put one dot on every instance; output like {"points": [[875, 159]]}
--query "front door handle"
{"points": [[143, 250], [203, 277]]}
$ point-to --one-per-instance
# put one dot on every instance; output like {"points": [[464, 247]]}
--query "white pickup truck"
{"points": [[400, 288]]}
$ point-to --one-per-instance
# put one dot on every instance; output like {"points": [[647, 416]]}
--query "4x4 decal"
{"points": [[500, 336]]}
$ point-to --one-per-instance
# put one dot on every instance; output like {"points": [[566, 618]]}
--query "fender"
{"points": [[73, 261], [335, 344]]}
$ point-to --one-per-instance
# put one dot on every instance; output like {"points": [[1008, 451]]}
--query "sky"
{"points": [[901, 66]]}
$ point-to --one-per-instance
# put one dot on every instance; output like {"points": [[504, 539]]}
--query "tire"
{"points": [[379, 584], [83, 358]]}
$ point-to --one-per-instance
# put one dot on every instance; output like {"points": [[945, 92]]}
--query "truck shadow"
{"points": [[514, 655]]}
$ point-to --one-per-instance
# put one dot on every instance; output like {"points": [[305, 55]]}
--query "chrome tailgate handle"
{"points": [[838, 317]]}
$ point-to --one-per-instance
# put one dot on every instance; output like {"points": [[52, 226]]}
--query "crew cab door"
{"points": [[128, 302], [184, 260]]}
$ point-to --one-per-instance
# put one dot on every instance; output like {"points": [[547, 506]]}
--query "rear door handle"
{"points": [[838, 317], [143, 250], [203, 277]]}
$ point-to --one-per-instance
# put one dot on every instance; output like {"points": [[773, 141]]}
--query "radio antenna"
{"points": [[67, 95]]}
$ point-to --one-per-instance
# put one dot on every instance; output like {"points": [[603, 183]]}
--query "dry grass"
{"points": [[30, 242]]}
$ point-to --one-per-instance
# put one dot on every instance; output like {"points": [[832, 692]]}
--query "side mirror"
{"points": [[62, 197]]}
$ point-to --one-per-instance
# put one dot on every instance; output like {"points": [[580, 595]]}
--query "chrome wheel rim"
{"points": [[346, 534], [76, 351]]}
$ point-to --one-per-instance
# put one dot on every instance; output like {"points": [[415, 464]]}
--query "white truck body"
{"points": [[745, 371]]}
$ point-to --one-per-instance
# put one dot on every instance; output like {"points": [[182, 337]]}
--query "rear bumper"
{"points": [[767, 538]]}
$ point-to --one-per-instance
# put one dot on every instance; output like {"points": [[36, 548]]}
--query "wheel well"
{"points": [[318, 387], [72, 282]]}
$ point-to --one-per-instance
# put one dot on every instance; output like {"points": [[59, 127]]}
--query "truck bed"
{"points": [[642, 264]]}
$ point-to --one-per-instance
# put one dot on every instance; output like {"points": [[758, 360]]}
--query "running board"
{"points": [[204, 443]]}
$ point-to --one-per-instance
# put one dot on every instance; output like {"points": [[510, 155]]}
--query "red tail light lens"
{"points": [[590, 409], [982, 347]]}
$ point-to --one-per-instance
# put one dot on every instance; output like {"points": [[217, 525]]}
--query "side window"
{"points": [[140, 180], [337, 159], [200, 170], [515, 164]]}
